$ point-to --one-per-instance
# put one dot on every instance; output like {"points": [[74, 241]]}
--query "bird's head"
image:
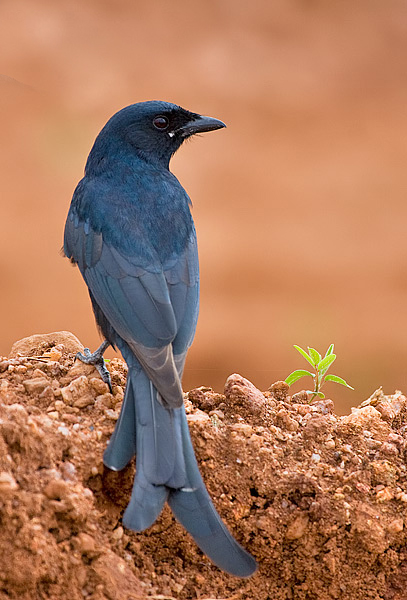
{"points": [[153, 130]]}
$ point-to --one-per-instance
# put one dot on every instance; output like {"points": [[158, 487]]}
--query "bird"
{"points": [[130, 231]]}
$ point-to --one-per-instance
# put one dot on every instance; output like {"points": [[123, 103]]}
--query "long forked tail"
{"points": [[193, 508], [166, 469]]}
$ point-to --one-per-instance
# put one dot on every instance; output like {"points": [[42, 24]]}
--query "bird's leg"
{"points": [[96, 359]]}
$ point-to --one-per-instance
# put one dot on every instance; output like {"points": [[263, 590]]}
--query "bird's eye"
{"points": [[161, 122]]}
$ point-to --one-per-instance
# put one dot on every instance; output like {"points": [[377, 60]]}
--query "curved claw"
{"points": [[96, 359]]}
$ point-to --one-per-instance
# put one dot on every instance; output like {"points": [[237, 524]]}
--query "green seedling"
{"points": [[320, 366]]}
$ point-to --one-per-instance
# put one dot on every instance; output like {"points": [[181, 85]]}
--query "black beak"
{"points": [[200, 124]]}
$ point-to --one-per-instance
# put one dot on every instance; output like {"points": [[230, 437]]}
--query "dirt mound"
{"points": [[319, 500]]}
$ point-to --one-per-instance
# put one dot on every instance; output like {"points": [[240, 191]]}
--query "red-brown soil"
{"points": [[320, 500]]}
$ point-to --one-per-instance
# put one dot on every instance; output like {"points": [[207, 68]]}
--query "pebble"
{"points": [[35, 385], [279, 389], [104, 401], [70, 418], [78, 393], [99, 385], [64, 430], [395, 526], [237, 388], [111, 414], [118, 393], [217, 413], [117, 533], [56, 489], [298, 527], [68, 471], [384, 495], [85, 543], [7, 483]]}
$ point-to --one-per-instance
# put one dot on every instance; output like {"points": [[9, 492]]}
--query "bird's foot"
{"points": [[96, 359]]}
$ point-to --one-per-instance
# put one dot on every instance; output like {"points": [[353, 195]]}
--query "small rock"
{"points": [[111, 414], [104, 401], [217, 413], [55, 353], [199, 418], [70, 418], [389, 449], [239, 389], [118, 393], [362, 417], [396, 439], [38, 373], [384, 495], [285, 421], [279, 389], [298, 527], [35, 385], [300, 398], [78, 393], [56, 489], [204, 398], [7, 483], [68, 471], [395, 526], [99, 386], [64, 431], [85, 543], [34, 345], [199, 579], [117, 533], [325, 406], [80, 369], [390, 407], [362, 487]]}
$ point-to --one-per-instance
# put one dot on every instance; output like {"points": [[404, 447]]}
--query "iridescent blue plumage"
{"points": [[131, 233]]}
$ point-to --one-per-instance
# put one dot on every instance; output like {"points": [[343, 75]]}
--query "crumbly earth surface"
{"points": [[319, 500]]}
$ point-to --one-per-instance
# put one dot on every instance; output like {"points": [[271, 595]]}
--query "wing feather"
{"points": [[153, 308]]}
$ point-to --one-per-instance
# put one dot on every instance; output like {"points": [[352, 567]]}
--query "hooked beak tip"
{"points": [[201, 124]]}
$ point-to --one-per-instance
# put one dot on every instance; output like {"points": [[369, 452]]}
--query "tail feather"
{"points": [[122, 445], [160, 461], [193, 508], [167, 470], [146, 503], [159, 439]]}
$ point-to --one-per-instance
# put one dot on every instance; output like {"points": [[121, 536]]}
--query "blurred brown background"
{"points": [[300, 205]]}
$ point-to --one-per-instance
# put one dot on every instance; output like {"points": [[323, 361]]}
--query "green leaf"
{"points": [[325, 363], [305, 355], [296, 375], [337, 379], [330, 350], [316, 357]]}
